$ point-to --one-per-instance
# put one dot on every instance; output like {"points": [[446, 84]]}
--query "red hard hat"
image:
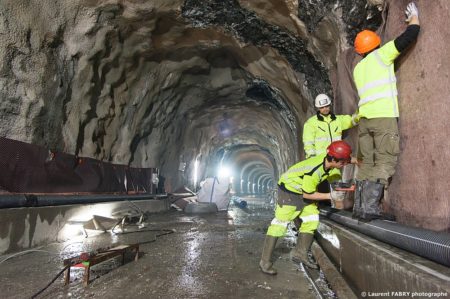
{"points": [[366, 41], [339, 150]]}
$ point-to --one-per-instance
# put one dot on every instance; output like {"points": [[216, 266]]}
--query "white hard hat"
{"points": [[322, 100]]}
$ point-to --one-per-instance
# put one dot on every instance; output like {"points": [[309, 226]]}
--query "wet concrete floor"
{"points": [[206, 256]]}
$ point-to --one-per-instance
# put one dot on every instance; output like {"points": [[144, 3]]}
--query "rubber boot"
{"points": [[300, 253], [265, 264], [357, 208], [371, 195]]}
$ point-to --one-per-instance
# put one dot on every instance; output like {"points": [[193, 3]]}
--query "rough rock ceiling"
{"points": [[162, 83]]}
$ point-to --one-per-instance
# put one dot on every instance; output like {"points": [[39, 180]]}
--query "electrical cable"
{"points": [[25, 252], [70, 244], [53, 280], [165, 232], [309, 277]]}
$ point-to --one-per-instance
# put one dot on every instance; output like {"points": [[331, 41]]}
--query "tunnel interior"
{"points": [[197, 89], [187, 86]]}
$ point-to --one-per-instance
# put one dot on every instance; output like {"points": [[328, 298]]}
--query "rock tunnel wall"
{"points": [[420, 187], [418, 192]]}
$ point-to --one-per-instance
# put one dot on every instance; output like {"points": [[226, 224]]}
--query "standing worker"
{"points": [[298, 197], [324, 127], [378, 142]]}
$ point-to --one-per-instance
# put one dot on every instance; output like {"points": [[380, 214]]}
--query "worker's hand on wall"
{"points": [[411, 11]]}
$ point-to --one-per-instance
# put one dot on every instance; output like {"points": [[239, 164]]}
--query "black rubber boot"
{"points": [[357, 208], [265, 264], [300, 253], [371, 195]]}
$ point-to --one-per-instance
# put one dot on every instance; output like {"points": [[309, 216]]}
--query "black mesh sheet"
{"points": [[27, 168]]}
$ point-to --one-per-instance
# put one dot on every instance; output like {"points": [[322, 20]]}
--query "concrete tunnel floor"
{"points": [[208, 256]]}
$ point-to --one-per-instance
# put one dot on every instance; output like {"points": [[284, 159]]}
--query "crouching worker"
{"points": [[298, 197]]}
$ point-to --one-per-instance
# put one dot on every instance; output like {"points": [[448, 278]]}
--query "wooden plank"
{"points": [[97, 259]]}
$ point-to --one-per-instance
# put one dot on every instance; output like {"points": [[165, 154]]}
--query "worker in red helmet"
{"points": [[378, 142], [298, 197]]}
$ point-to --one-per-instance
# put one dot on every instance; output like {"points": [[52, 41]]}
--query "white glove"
{"points": [[410, 11], [337, 195]]}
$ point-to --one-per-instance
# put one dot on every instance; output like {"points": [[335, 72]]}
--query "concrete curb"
{"points": [[333, 276]]}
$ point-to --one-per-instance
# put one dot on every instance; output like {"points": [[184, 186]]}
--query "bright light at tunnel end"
{"points": [[223, 172], [196, 172]]}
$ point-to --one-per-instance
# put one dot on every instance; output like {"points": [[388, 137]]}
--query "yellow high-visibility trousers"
{"points": [[286, 213]]}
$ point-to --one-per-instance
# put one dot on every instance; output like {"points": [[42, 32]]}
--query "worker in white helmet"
{"points": [[324, 127]]}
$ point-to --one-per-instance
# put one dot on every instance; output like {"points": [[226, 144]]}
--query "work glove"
{"points": [[337, 195], [410, 11]]}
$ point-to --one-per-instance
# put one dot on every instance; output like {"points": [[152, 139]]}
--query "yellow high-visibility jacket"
{"points": [[376, 83], [305, 176], [319, 131]]}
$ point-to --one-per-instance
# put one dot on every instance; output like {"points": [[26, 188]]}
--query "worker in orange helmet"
{"points": [[378, 142]]}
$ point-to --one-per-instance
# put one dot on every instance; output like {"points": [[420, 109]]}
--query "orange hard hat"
{"points": [[366, 41]]}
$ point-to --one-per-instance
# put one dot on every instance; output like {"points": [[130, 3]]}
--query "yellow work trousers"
{"points": [[286, 213]]}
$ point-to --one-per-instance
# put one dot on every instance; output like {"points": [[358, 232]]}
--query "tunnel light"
{"points": [[196, 172], [224, 172]]}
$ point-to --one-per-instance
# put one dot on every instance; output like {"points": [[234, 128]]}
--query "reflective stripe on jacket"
{"points": [[376, 83], [319, 131], [306, 175]]}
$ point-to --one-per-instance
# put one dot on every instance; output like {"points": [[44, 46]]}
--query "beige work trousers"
{"points": [[378, 148]]}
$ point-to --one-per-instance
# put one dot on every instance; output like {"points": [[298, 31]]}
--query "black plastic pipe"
{"points": [[429, 244], [239, 202], [35, 200]]}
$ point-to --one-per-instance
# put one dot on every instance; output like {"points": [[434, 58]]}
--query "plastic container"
{"points": [[338, 199], [338, 193]]}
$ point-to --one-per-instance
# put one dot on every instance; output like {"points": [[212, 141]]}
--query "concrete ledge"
{"points": [[23, 228], [373, 268], [333, 276]]}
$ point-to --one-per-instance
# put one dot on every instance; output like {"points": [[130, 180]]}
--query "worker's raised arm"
{"points": [[412, 31]]}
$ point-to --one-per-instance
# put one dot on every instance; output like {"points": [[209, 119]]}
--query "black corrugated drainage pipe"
{"points": [[37, 200], [432, 245]]}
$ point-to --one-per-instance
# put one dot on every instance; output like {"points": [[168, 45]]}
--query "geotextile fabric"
{"points": [[28, 168]]}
